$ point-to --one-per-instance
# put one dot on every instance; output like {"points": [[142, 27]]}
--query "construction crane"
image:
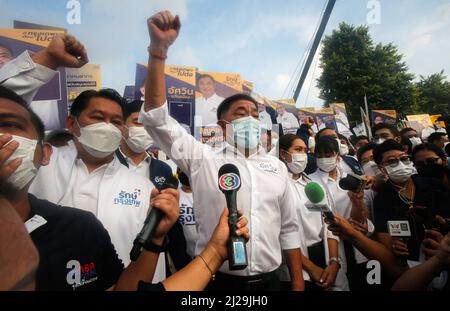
{"points": [[318, 36]]}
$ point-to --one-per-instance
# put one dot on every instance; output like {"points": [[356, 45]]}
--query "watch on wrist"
{"points": [[154, 248]]}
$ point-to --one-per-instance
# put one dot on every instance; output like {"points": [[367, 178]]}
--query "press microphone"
{"points": [[153, 218], [317, 200], [229, 183], [353, 183]]}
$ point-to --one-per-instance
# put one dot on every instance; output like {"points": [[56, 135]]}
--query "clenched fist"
{"points": [[63, 51], [163, 28]]}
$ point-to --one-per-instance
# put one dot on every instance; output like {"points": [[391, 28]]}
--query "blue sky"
{"points": [[263, 40]]}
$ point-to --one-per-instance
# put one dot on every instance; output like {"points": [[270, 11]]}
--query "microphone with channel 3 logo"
{"points": [[229, 183]]}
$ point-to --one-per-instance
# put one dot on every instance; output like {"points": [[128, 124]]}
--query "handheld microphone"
{"points": [[318, 200], [229, 183], [153, 218], [353, 183]]}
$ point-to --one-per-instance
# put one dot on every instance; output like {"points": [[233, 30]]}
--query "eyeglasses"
{"points": [[429, 161], [394, 162]]}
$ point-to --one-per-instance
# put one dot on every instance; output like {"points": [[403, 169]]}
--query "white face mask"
{"points": [[327, 164], [100, 140], [25, 173], [401, 173], [415, 141], [138, 139], [298, 164], [343, 148], [379, 141], [371, 169]]}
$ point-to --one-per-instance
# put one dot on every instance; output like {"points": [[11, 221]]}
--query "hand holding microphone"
{"points": [[229, 183], [400, 231], [318, 200], [163, 215]]}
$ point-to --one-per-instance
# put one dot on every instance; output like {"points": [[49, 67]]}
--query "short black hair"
{"points": [[391, 128], [360, 137], [406, 129], [326, 144], [404, 141], [388, 145], [364, 149], [436, 136], [227, 102], [35, 120], [205, 75], [132, 107], [285, 141], [428, 147], [321, 131], [80, 103]]}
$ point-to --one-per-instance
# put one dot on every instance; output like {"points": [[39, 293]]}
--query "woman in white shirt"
{"points": [[320, 259]]}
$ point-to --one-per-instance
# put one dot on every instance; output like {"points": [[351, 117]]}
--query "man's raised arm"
{"points": [[163, 29]]}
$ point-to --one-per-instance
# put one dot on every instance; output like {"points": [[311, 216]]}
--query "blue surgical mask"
{"points": [[247, 132]]}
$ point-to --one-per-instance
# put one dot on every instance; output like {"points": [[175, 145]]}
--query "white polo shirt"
{"points": [[265, 195]]}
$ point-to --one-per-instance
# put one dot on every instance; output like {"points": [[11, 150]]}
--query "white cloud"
{"points": [[427, 31]]}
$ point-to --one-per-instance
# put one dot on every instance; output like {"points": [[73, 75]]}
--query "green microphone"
{"points": [[318, 200]]}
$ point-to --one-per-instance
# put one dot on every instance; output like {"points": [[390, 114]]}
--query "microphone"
{"points": [[229, 183], [353, 183], [153, 218], [318, 200]]}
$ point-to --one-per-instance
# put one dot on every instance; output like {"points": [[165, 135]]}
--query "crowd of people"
{"points": [[72, 203]]}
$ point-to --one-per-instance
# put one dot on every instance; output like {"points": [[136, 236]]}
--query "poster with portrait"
{"points": [[180, 92], [325, 119], [287, 115], [211, 89], [340, 113], [384, 116], [50, 102], [88, 77], [310, 113], [422, 124]]}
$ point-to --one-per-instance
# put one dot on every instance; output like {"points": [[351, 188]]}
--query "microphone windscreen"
{"points": [[349, 183], [171, 182], [314, 192], [229, 178]]}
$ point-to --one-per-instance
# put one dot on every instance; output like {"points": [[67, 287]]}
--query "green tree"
{"points": [[433, 94], [354, 66]]}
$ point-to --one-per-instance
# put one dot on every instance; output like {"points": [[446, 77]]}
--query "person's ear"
{"points": [[382, 169], [397, 139], [72, 126], [47, 151], [223, 125]]}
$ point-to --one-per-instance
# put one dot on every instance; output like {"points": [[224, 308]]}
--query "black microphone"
{"points": [[229, 183], [152, 220], [353, 183]]}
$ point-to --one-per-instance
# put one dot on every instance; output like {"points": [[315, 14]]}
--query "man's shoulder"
{"points": [[60, 214]]}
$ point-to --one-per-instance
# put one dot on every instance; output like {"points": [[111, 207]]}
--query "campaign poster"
{"points": [[88, 77], [421, 123], [340, 113], [180, 92], [325, 119], [308, 112], [211, 89], [128, 93], [436, 123], [50, 102], [247, 87], [384, 116], [287, 115]]}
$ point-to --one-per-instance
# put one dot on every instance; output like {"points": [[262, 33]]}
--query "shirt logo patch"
{"points": [[80, 274], [128, 198], [268, 167], [187, 216]]}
